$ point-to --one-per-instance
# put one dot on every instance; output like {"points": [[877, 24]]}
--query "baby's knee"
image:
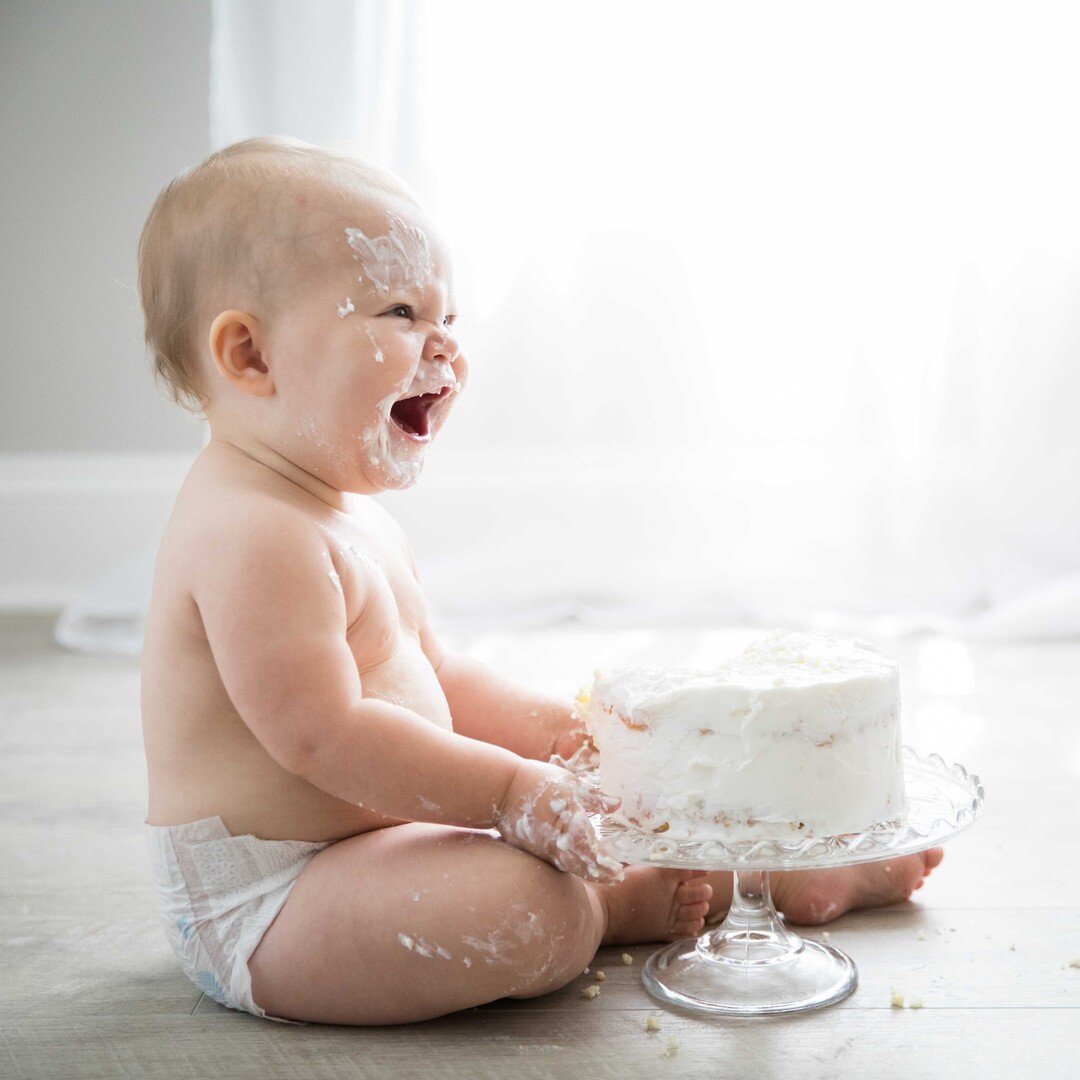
{"points": [[560, 927]]}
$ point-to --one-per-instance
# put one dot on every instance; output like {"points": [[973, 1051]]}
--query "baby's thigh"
{"points": [[416, 921]]}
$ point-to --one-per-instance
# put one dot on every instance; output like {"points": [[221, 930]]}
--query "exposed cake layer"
{"points": [[798, 736]]}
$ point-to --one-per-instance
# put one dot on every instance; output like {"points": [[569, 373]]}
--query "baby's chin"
{"points": [[373, 478], [394, 453], [393, 458], [397, 476]]}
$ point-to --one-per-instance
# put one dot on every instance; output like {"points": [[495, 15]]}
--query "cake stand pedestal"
{"points": [[752, 964]]}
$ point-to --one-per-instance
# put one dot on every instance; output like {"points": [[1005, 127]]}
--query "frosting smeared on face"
{"points": [[391, 469], [432, 377], [400, 259], [381, 414], [378, 354]]}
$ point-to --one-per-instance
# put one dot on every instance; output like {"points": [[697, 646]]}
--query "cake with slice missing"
{"points": [[798, 736]]}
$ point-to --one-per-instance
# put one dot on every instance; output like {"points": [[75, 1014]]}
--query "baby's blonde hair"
{"points": [[206, 242]]}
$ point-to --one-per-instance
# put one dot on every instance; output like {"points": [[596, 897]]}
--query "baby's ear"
{"points": [[236, 352]]}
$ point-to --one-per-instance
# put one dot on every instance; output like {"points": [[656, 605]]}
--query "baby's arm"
{"points": [[276, 625], [488, 707]]}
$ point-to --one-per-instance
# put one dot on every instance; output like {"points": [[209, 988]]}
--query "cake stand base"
{"points": [[750, 965]]}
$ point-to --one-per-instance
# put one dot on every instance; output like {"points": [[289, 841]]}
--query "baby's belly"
{"points": [[235, 779], [211, 764], [406, 678]]}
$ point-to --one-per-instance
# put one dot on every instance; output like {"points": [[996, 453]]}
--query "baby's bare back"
{"points": [[202, 758]]}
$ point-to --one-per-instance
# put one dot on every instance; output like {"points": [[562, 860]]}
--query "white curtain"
{"points": [[810, 272], [326, 71], [773, 311]]}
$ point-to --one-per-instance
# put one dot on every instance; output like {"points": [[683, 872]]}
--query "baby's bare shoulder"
{"points": [[221, 506], [223, 528]]}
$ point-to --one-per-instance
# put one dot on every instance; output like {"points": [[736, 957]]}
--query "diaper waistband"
{"points": [[213, 828]]}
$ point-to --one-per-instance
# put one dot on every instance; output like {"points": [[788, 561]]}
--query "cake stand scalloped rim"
{"points": [[934, 814]]}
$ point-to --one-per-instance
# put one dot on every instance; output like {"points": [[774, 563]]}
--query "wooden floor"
{"points": [[89, 988]]}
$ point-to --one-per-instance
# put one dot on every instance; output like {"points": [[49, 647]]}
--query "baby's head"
{"points": [[300, 298]]}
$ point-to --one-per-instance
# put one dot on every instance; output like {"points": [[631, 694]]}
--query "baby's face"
{"points": [[365, 360]]}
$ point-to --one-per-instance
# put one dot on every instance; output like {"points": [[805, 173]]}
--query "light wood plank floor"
{"points": [[89, 987]]}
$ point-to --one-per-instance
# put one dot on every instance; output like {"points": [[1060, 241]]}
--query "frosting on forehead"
{"points": [[400, 259]]}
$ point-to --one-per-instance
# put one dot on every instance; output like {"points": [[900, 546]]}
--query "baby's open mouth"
{"points": [[411, 413]]}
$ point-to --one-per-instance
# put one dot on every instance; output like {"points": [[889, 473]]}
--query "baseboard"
{"points": [[67, 518]]}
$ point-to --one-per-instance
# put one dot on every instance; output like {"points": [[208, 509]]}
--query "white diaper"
{"points": [[218, 893]]}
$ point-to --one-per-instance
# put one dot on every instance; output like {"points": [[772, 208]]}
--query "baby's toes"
{"points": [[905, 875], [690, 905], [689, 921], [689, 912], [693, 891], [928, 860]]}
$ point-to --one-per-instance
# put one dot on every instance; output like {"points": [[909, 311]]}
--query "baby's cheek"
{"points": [[371, 349], [461, 369]]}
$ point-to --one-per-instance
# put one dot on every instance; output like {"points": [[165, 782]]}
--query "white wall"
{"points": [[101, 103]]}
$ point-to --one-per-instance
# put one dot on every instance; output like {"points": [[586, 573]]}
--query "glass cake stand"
{"points": [[752, 964]]}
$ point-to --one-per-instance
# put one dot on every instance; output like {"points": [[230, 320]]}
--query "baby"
{"points": [[347, 824]]}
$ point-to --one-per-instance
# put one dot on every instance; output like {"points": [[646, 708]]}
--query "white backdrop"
{"points": [[773, 310]]}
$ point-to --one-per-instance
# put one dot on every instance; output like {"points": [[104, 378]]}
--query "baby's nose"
{"points": [[442, 346]]}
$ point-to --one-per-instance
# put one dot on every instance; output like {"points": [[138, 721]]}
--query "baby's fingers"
{"points": [[597, 868], [583, 759], [603, 869], [596, 802], [597, 863]]}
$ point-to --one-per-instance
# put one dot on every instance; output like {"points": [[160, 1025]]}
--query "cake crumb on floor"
{"points": [[652, 1023], [897, 1000], [627, 959], [591, 992]]}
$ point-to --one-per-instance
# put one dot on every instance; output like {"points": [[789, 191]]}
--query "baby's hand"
{"points": [[545, 811], [574, 749]]}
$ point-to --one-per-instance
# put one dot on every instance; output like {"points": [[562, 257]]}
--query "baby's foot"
{"points": [[654, 904], [812, 897]]}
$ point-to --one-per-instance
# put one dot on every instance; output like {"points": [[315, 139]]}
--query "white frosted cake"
{"points": [[798, 736]]}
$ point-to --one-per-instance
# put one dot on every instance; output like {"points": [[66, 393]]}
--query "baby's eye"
{"points": [[449, 320], [403, 311]]}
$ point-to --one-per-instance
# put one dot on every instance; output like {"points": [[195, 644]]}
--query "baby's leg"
{"points": [[416, 921], [812, 897]]}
